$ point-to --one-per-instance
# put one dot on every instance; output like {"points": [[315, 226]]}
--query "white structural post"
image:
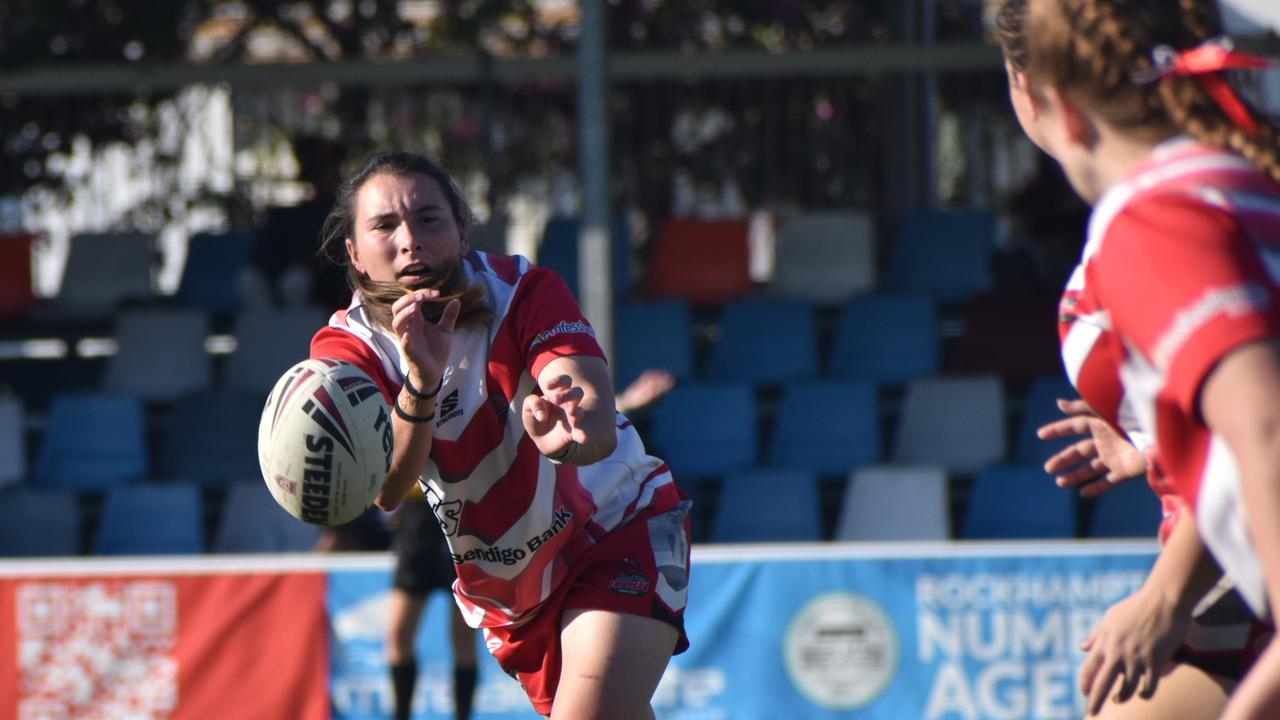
{"points": [[594, 248]]}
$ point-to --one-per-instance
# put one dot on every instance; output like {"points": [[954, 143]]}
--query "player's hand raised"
{"points": [[1103, 459]]}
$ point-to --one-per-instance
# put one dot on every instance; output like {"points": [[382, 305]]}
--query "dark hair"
{"points": [[379, 296], [1094, 46]]}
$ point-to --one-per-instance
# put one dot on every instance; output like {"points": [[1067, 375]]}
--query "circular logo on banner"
{"points": [[840, 651]]}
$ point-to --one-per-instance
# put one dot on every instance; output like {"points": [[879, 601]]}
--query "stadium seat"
{"points": [[895, 502], [268, 342], [102, 271], [705, 429], [16, 294], [211, 438], [161, 354], [151, 519], [559, 252], [251, 521], [39, 522], [885, 339], [1039, 409], [767, 505], [1128, 510], [1013, 337], [1014, 502], [764, 341], [958, 423], [13, 440], [943, 255], [92, 441], [824, 257], [828, 427], [652, 335], [704, 262], [211, 275]]}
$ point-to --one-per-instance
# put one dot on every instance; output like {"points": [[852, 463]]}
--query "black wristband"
{"points": [[569, 451], [411, 418], [408, 385]]}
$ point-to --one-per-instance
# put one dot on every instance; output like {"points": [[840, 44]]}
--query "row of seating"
{"points": [[97, 440], [146, 519], [823, 257], [879, 503], [915, 502]]}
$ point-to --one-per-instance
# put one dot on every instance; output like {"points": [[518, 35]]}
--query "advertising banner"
{"points": [[959, 632], [151, 646]]}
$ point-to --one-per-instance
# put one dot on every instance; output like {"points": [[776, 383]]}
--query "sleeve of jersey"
{"points": [[1185, 286], [546, 322], [338, 344]]}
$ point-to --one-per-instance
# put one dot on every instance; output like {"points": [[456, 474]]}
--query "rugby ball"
{"points": [[324, 441]]}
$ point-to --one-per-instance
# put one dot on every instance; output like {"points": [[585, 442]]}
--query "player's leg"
{"points": [[404, 610], [611, 664], [1185, 692], [463, 639]]}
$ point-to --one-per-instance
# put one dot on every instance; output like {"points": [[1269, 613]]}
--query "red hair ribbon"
{"points": [[1204, 63]]}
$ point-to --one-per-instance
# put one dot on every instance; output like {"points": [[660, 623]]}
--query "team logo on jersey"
{"points": [[448, 514], [449, 408], [564, 327], [628, 584]]}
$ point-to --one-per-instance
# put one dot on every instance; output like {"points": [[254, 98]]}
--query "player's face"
{"points": [[403, 228]]}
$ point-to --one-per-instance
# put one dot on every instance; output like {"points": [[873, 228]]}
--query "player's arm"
{"points": [[574, 419], [1138, 635], [425, 348]]}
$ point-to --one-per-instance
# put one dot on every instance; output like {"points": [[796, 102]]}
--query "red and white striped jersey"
{"points": [[514, 520], [1180, 267]]}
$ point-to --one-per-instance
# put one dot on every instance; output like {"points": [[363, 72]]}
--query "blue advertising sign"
{"points": [[971, 631]]}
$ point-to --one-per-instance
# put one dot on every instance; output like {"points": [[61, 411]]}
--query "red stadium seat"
{"points": [[15, 275], [704, 262]]}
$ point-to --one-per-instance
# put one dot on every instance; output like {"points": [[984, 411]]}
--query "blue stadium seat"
{"points": [[38, 521], [559, 252], [211, 276], [895, 502], [652, 335], [251, 521], [1128, 510], [764, 341], [161, 355], [767, 505], [705, 429], [92, 441], [1009, 502], [827, 427], [211, 438], [885, 339], [1039, 409], [268, 342], [958, 423], [151, 519], [13, 440], [943, 255]]}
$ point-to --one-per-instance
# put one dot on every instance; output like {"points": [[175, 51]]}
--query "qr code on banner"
{"points": [[96, 650]]}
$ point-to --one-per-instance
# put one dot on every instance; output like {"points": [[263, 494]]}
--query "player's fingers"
{"points": [[1095, 488], [559, 382], [1074, 406], [406, 300], [1069, 457], [569, 397], [450, 315], [536, 408], [1128, 682], [1150, 679], [1065, 427], [1089, 669], [1102, 686]]}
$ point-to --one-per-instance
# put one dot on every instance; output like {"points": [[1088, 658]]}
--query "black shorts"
{"points": [[422, 556]]}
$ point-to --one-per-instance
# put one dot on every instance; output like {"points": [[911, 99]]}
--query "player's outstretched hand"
{"points": [[1129, 648], [424, 345], [551, 419], [1096, 463]]}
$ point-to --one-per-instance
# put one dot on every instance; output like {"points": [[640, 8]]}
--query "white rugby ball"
{"points": [[324, 441]]}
